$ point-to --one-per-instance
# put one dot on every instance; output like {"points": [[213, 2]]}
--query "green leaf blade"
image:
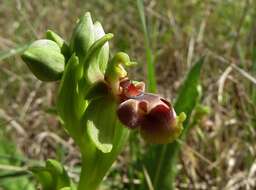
{"points": [[163, 171], [151, 79]]}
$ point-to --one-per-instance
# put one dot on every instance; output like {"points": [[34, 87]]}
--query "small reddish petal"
{"points": [[128, 89], [132, 90]]}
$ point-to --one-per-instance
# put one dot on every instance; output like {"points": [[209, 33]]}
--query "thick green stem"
{"points": [[87, 180]]}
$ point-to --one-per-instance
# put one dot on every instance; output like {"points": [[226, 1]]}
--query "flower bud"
{"points": [[83, 36], [45, 60]]}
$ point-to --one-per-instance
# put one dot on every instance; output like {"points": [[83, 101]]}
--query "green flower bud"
{"points": [[44, 59], [83, 36], [92, 62], [98, 63]]}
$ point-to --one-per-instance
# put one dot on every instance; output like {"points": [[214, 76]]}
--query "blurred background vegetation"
{"points": [[220, 151]]}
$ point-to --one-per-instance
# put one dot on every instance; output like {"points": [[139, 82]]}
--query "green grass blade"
{"points": [[161, 160], [151, 80], [12, 52]]}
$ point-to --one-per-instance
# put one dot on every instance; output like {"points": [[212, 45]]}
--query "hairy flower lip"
{"points": [[151, 114], [136, 109]]}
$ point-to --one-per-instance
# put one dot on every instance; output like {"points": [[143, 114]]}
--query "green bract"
{"points": [[45, 60], [50, 35]]}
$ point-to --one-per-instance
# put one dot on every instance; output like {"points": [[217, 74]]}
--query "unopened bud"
{"points": [[45, 60]]}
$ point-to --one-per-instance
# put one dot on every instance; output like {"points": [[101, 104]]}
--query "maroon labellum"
{"points": [[151, 114]]}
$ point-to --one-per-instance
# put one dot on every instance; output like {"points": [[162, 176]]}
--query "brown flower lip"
{"points": [[145, 107], [150, 113]]}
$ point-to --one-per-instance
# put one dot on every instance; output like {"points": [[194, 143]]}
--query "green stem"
{"points": [[86, 180]]}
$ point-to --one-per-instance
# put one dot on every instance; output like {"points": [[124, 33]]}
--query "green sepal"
{"points": [[83, 36], [103, 56], [65, 50], [44, 59], [97, 62], [53, 176], [92, 65]]}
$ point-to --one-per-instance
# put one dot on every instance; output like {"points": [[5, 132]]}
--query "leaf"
{"points": [[44, 177], [10, 156], [53, 176], [44, 59], [160, 160], [59, 173], [151, 79], [71, 104]]}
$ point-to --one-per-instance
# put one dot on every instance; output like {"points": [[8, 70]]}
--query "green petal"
{"points": [[95, 59], [104, 52]]}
